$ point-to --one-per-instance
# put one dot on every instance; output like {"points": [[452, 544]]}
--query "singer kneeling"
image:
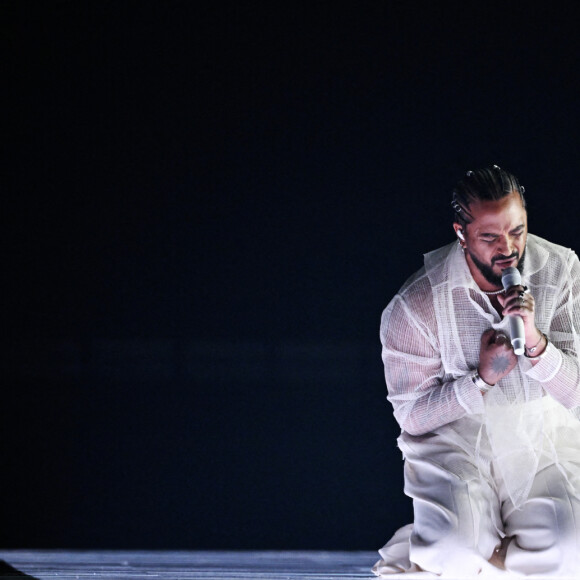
{"points": [[480, 349]]}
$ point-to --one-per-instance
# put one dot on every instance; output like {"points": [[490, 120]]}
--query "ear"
{"points": [[459, 231]]}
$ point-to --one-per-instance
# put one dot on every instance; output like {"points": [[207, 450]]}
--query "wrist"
{"points": [[480, 382], [538, 349], [534, 341]]}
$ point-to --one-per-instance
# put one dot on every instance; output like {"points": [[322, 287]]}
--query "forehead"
{"points": [[502, 214]]}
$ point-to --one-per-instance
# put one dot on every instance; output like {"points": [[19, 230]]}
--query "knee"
{"points": [[546, 551], [545, 545], [448, 560], [446, 553], [548, 560], [452, 542]]}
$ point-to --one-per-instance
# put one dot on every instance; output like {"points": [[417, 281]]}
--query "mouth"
{"points": [[506, 262]]}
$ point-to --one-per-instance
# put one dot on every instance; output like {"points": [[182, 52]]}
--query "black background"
{"points": [[206, 209]]}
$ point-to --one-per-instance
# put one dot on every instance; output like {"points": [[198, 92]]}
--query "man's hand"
{"points": [[496, 356], [518, 302]]}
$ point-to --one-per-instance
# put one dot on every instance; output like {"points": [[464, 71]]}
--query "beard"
{"points": [[487, 270]]}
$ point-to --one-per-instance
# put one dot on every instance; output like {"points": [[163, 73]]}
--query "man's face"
{"points": [[495, 239]]}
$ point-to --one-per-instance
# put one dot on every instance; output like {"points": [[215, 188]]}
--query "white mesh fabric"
{"points": [[431, 333]]}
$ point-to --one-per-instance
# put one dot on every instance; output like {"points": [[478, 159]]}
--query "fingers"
{"points": [[495, 337], [518, 301], [488, 337], [501, 339], [511, 293]]}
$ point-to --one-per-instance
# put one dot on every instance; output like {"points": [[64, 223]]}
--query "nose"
{"points": [[505, 245]]}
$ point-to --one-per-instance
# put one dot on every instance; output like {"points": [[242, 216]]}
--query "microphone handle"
{"points": [[517, 334]]}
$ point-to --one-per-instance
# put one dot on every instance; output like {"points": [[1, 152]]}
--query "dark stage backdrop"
{"points": [[206, 210]]}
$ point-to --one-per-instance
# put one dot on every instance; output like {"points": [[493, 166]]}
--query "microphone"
{"points": [[511, 277]]}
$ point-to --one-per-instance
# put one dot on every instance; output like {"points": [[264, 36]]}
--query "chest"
{"points": [[496, 305]]}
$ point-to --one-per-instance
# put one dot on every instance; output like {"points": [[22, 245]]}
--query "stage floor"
{"points": [[206, 565]]}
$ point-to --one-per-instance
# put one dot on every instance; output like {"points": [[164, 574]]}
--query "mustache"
{"points": [[500, 258]]}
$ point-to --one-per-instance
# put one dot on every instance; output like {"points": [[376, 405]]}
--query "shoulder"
{"points": [[413, 304], [416, 288], [555, 250], [547, 260]]}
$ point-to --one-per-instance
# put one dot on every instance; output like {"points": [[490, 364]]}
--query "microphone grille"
{"points": [[510, 277]]}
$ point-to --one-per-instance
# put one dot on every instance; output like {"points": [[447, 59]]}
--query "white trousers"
{"points": [[460, 520]]}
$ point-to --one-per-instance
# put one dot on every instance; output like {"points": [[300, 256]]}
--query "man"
{"points": [[491, 440]]}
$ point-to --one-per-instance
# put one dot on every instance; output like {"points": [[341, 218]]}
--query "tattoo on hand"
{"points": [[500, 364]]}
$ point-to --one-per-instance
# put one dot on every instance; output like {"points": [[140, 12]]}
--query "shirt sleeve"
{"points": [[422, 398], [559, 369]]}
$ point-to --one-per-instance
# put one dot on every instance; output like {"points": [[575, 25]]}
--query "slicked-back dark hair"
{"points": [[489, 184]]}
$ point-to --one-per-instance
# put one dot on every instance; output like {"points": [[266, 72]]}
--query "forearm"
{"points": [[440, 405], [422, 398], [559, 374], [558, 369]]}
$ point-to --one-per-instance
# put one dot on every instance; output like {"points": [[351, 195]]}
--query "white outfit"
{"points": [[482, 468]]}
